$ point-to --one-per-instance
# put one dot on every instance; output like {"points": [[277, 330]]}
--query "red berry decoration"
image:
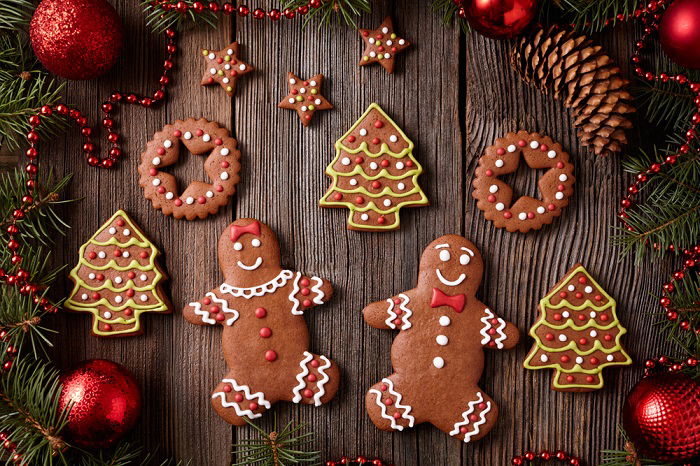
{"points": [[499, 19], [679, 32], [662, 417], [358, 461], [76, 39], [106, 402]]}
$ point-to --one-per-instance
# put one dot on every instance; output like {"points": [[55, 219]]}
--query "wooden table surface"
{"points": [[453, 95]]}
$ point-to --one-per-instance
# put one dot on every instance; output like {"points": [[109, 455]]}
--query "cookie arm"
{"points": [[497, 333], [308, 292], [392, 313], [212, 309]]}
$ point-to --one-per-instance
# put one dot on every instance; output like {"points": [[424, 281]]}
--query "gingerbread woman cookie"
{"points": [[438, 354], [266, 341]]}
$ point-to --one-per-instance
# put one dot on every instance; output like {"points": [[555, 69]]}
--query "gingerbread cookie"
{"points": [[224, 67], [382, 45], [494, 196], [266, 341], [438, 354], [374, 173], [577, 334], [222, 165], [305, 97], [118, 278]]}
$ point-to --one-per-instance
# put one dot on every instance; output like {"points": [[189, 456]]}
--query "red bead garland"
{"points": [[229, 8], [691, 261], [652, 366], [11, 448], [360, 460], [545, 455]]}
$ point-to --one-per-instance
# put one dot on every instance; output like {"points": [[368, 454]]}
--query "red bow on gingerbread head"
{"points": [[237, 230]]}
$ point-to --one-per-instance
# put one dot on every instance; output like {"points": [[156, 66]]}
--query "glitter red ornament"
{"points": [[679, 32], [106, 402], [76, 39], [662, 417], [498, 19]]}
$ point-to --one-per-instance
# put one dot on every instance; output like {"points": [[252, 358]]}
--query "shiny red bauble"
{"points": [[679, 32], [662, 417], [104, 401], [500, 19], [76, 39]]}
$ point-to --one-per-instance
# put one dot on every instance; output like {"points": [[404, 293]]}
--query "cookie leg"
{"points": [[471, 416], [234, 401], [386, 406], [317, 380]]}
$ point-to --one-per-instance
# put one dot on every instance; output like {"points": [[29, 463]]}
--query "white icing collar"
{"points": [[270, 287]]}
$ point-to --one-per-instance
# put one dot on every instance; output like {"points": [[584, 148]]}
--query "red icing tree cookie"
{"points": [[438, 354], [266, 341]]}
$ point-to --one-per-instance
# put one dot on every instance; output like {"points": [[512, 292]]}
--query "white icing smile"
{"points": [[258, 263], [447, 282]]}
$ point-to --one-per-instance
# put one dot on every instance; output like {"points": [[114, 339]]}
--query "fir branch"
{"points": [[628, 456], [448, 10], [159, 19], [685, 300], [16, 14], [276, 448], [332, 12], [591, 16], [664, 104], [125, 454]]}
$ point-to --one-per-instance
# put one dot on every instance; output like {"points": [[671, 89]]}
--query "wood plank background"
{"points": [[453, 95]]}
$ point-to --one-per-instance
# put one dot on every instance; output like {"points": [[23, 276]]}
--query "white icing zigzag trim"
{"points": [[405, 415], [322, 382], [300, 376], [258, 397], [293, 296], [404, 316], [224, 307], [465, 415], [270, 287], [486, 320], [318, 299]]}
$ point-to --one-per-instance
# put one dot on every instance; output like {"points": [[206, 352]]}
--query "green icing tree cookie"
{"points": [[374, 173], [577, 334], [117, 279]]}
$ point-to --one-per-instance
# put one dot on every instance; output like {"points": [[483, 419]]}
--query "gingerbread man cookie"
{"points": [[266, 341], [438, 354]]}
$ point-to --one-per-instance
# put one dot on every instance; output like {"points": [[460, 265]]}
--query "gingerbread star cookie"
{"points": [[382, 45], [305, 97], [224, 67]]}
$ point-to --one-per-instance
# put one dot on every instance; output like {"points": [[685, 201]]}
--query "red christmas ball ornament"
{"points": [[679, 32], [76, 39], [662, 417], [104, 401], [500, 19]]}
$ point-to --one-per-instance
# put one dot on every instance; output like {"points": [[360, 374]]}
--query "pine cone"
{"points": [[573, 69]]}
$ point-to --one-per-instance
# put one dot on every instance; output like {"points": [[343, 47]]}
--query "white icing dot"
{"points": [[540, 210], [107, 314], [402, 42], [493, 188], [401, 186], [229, 52], [610, 357], [400, 165], [372, 54], [387, 202], [118, 280], [101, 255], [144, 297], [588, 289], [593, 314], [571, 288], [373, 165], [125, 254], [551, 154], [256, 243], [387, 56], [464, 259], [210, 194], [302, 90], [156, 161], [224, 151], [156, 182], [363, 132], [565, 314], [562, 337], [579, 360], [112, 230], [189, 200], [389, 42], [439, 362], [237, 246], [226, 80], [385, 30], [364, 217], [444, 255], [511, 148], [544, 358], [441, 340], [445, 321], [594, 333], [345, 161], [91, 276], [559, 195], [534, 144], [522, 216], [499, 163], [393, 138], [291, 101], [563, 177], [353, 182], [206, 138], [500, 206], [167, 143], [224, 176], [84, 296], [371, 40], [118, 299], [317, 101], [227, 66], [303, 108], [292, 81], [211, 56], [242, 67], [212, 70], [169, 195], [188, 135], [312, 83]]}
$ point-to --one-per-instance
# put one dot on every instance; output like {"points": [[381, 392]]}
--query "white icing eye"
{"points": [[237, 246], [256, 243], [464, 259], [444, 255]]}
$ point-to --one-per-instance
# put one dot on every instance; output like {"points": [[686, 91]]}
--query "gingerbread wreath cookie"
{"points": [[494, 196], [305, 97], [224, 67], [577, 334], [222, 165], [261, 308], [118, 278], [438, 354], [382, 45]]}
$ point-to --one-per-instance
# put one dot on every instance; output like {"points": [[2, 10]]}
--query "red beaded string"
{"points": [[692, 261], [229, 8], [652, 366], [544, 455], [11, 448], [360, 460]]}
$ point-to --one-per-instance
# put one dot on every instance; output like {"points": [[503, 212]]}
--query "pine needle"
{"points": [[333, 12], [159, 20], [276, 448]]}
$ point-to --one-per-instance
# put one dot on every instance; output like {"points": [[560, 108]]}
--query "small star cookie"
{"points": [[224, 67], [382, 45], [305, 97]]}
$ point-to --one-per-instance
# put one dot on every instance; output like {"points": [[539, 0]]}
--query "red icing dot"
{"points": [[365, 33], [393, 49], [530, 215], [199, 132], [337, 196], [253, 406], [306, 303], [314, 363], [551, 207], [388, 401], [491, 198], [378, 124], [494, 321], [295, 92], [556, 317], [489, 172], [220, 317], [130, 293], [177, 133], [589, 378], [359, 200], [380, 36], [238, 397], [409, 163], [569, 378], [500, 151], [210, 80], [202, 199], [381, 220], [564, 358], [384, 163], [218, 188], [224, 164], [218, 141], [161, 151], [161, 190], [143, 254], [594, 361], [260, 312], [582, 279], [604, 317], [473, 417], [131, 274], [397, 301], [128, 312], [544, 148], [383, 387], [598, 297], [359, 160], [92, 254], [270, 355], [153, 171], [375, 140], [219, 60], [376, 184], [463, 430], [481, 406], [227, 388], [307, 117], [560, 187], [549, 337], [396, 415], [507, 215], [206, 301], [351, 138], [108, 328], [265, 332], [381, 49], [120, 223], [214, 309], [117, 253], [99, 277], [560, 164], [583, 341], [398, 312], [234, 73], [308, 393], [492, 331], [492, 344], [304, 282], [522, 143], [312, 378], [562, 294], [96, 295], [581, 317], [178, 202], [305, 291], [608, 337], [579, 295]]}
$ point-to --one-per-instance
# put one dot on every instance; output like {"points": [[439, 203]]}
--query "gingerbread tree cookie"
{"points": [[117, 279], [382, 45], [261, 308], [305, 97], [577, 334], [374, 173], [438, 354]]}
